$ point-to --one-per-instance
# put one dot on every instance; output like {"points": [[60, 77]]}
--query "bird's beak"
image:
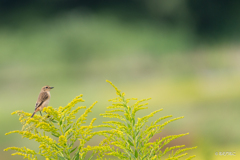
{"points": [[51, 87]]}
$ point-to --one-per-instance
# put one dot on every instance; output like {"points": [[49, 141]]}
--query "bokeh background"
{"points": [[184, 54]]}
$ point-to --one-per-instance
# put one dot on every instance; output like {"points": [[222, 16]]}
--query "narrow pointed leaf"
{"points": [[73, 150]]}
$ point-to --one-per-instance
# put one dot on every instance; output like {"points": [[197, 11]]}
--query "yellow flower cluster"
{"points": [[62, 141], [47, 151], [51, 111], [46, 127], [25, 152], [130, 136], [57, 122], [143, 120], [118, 92], [82, 118], [111, 115]]}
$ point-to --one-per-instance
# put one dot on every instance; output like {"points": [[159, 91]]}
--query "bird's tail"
{"points": [[33, 114]]}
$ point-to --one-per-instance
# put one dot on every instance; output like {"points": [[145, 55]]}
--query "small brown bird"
{"points": [[43, 99]]}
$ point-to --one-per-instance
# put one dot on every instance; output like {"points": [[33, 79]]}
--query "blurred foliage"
{"points": [[206, 18], [183, 54]]}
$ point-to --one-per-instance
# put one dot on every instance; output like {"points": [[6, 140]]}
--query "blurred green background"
{"points": [[184, 54]]}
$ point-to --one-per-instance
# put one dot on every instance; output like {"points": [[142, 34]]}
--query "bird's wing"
{"points": [[41, 98], [36, 106]]}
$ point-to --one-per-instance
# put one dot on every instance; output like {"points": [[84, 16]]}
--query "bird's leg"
{"points": [[41, 113]]}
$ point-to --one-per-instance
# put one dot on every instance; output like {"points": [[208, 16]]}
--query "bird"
{"points": [[43, 99]]}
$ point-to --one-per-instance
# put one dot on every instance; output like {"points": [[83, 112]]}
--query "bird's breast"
{"points": [[45, 104]]}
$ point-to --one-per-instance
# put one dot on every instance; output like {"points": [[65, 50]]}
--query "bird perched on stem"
{"points": [[43, 99]]}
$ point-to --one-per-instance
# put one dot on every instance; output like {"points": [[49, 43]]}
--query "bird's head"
{"points": [[47, 88]]}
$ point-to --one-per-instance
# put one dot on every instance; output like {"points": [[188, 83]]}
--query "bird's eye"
{"points": [[46, 87]]}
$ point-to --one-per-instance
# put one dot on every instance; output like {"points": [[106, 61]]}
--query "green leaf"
{"points": [[73, 150], [61, 120], [56, 135], [137, 133], [130, 138], [131, 155], [136, 153], [130, 142], [67, 129], [70, 136], [133, 119], [91, 156], [76, 157], [152, 134], [146, 156], [138, 140], [61, 158], [58, 145], [129, 152], [52, 120]]}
